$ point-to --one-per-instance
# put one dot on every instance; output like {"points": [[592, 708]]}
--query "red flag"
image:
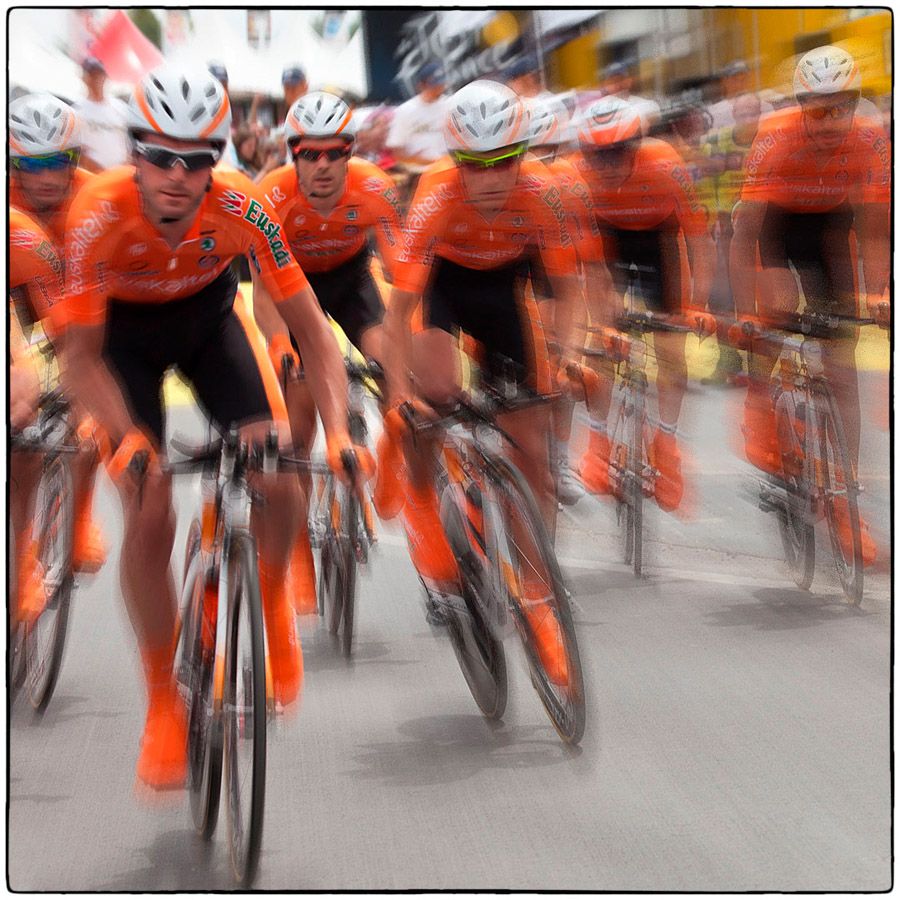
{"points": [[123, 50]]}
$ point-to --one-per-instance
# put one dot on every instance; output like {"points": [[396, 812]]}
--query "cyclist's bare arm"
{"points": [[568, 330], [398, 343], [325, 371], [265, 311], [91, 381], [702, 257], [747, 225], [873, 231], [603, 303]]}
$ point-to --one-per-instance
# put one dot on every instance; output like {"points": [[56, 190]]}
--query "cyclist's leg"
{"points": [[236, 384], [28, 591]]}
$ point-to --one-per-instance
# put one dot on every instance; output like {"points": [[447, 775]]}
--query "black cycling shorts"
{"points": [[349, 295], [203, 337], [650, 261], [489, 306], [819, 247]]}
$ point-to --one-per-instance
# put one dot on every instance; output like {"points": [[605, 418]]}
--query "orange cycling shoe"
{"points": [[594, 468], [428, 547], [546, 632], [88, 546], [666, 459], [32, 596], [845, 533], [302, 576], [285, 658], [162, 763]]}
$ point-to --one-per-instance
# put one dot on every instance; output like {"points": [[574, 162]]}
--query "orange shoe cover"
{"points": [[162, 763], [594, 468], [428, 547], [285, 657], [303, 576]]}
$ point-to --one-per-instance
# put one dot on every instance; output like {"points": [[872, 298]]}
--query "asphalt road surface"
{"points": [[737, 734]]}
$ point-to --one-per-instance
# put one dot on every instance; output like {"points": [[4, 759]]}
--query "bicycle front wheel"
{"points": [[840, 496], [46, 637], [539, 603], [795, 523], [196, 676], [244, 709]]}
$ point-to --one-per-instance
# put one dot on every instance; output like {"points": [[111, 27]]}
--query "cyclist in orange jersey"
{"points": [[815, 198], [149, 286], [330, 202], [648, 216], [472, 232], [35, 271], [44, 144], [551, 130]]}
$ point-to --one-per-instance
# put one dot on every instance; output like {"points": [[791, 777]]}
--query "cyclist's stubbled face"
{"points": [[828, 131], [45, 190], [322, 178], [488, 189], [175, 193]]}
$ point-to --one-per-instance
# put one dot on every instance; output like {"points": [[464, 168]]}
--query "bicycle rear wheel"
{"points": [[839, 487], [795, 523], [351, 517], [244, 709], [537, 575], [479, 653], [196, 677], [46, 636]]}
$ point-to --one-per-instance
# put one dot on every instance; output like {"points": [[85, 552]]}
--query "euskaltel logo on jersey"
{"points": [[257, 216], [233, 202]]}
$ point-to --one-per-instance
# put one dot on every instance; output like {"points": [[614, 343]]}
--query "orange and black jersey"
{"points": [[113, 251], [443, 224], [322, 243], [784, 167], [658, 188]]}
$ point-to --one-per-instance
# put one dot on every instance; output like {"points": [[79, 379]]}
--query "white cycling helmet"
{"points": [[40, 124], [549, 121], [609, 121], [485, 115], [185, 102], [319, 115], [826, 70]]}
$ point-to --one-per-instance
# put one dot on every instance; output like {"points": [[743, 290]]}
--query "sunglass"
{"points": [[52, 162], [493, 162], [163, 158], [612, 156], [332, 154], [833, 111]]}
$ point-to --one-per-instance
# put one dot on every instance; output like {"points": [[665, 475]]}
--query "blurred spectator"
{"points": [[618, 81], [104, 135], [416, 135], [254, 154], [219, 72], [734, 81], [524, 77], [728, 148], [371, 138], [293, 80]]}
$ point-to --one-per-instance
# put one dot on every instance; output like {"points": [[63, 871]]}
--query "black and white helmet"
{"points": [[319, 115], [185, 102], [826, 70], [41, 124], [485, 115]]}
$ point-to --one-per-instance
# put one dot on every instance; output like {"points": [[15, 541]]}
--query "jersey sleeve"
{"points": [[761, 164], [386, 204], [875, 176], [266, 244], [423, 229], [90, 239], [581, 223], [35, 266], [554, 243]]}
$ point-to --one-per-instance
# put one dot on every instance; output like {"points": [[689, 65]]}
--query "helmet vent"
{"points": [[197, 114], [185, 88], [167, 109]]}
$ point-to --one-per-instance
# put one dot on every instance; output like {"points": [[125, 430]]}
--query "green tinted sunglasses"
{"points": [[479, 162]]}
